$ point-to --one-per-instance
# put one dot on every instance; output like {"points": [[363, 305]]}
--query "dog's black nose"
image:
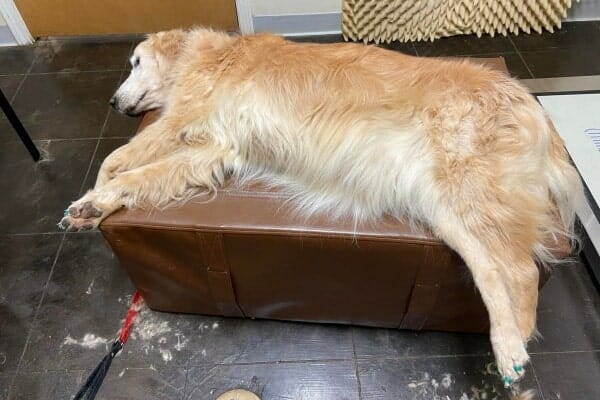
{"points": [[113, 102]]}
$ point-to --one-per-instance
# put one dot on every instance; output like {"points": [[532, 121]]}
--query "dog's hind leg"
{"points": [[179, 176], [485, 266], [522, 279]]}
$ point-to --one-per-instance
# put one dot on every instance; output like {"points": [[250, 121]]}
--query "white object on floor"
{"points": [[238, 394]]}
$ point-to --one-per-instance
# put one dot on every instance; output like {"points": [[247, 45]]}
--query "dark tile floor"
{"points": [[63, 295]]}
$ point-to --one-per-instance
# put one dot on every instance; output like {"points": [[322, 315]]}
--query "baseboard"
{"points": [[299, 24], [590, 254]]}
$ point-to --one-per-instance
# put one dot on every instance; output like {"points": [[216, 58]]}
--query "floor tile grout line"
{"points": [[189, 367], [410, 357], [521, 57], [82, 138], [87, 173], [102, 130], [89, 168], [35, 316], [15, 74], [421, 357], [302, 361], [541, 353], [275, 362], [14, 96], [108, 39], [41, 141], [358, 358], [79, 72], [84, 370], [47, 233], [131, 46], [359, 386], [537, 381], [187, 374]]}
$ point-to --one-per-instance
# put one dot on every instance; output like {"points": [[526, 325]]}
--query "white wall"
{"points": [[286, 7], [580, 10], [18, 33], [291, 17], [584, 10], [306, 17], [6, 37]]}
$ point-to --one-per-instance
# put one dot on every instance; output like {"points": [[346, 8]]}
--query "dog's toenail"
{"points": [[508, 381], [518, 368], [66, 212]]}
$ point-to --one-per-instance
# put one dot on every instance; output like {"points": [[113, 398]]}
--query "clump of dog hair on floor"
{"points": [[45, 155], [526, 395]]}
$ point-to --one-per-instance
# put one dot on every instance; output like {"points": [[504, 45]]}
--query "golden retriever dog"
{"points": [[354, 130]]}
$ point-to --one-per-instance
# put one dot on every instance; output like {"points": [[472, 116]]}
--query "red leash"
{"points": [[91, 386], [131, 313]]}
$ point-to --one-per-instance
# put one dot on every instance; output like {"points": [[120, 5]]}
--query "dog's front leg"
{"points": [[155, 141], [181, 175]]}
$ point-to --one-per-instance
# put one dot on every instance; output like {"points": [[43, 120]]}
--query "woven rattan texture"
{"points": [[384, 21]]}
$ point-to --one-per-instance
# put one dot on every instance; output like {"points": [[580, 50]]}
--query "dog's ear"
{"points": [[167, 43]]}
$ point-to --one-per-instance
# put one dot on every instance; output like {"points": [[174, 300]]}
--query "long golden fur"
{"points": [[355, 130]]}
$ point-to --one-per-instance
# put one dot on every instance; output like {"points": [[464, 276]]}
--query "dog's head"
{"points": [[151, 63]]}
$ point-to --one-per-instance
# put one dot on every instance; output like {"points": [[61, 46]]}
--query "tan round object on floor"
{"points": [[238, 394]]}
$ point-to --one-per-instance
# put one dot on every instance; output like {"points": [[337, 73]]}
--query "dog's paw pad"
{"points": [[71, 224], [84, 210]]}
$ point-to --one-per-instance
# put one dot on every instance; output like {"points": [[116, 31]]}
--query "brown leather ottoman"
{"points": [[246, 254]]}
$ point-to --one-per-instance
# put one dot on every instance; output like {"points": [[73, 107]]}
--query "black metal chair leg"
{"points": [[16, 123]]}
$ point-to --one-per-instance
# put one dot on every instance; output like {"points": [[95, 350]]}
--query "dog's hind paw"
{"points": [[511, 358]]}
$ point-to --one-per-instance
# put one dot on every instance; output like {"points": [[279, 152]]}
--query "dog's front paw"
{"points": [[511, 357], [81, 216]]}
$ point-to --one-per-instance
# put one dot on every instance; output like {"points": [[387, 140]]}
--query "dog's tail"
{"points": [[565, 187]]}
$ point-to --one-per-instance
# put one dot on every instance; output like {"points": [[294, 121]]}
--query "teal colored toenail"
{"points": [[518, 368], [66, 212], [508, 380]]}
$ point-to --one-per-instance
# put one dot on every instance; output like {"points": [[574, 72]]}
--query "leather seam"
{"points": [[289, 233]]}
